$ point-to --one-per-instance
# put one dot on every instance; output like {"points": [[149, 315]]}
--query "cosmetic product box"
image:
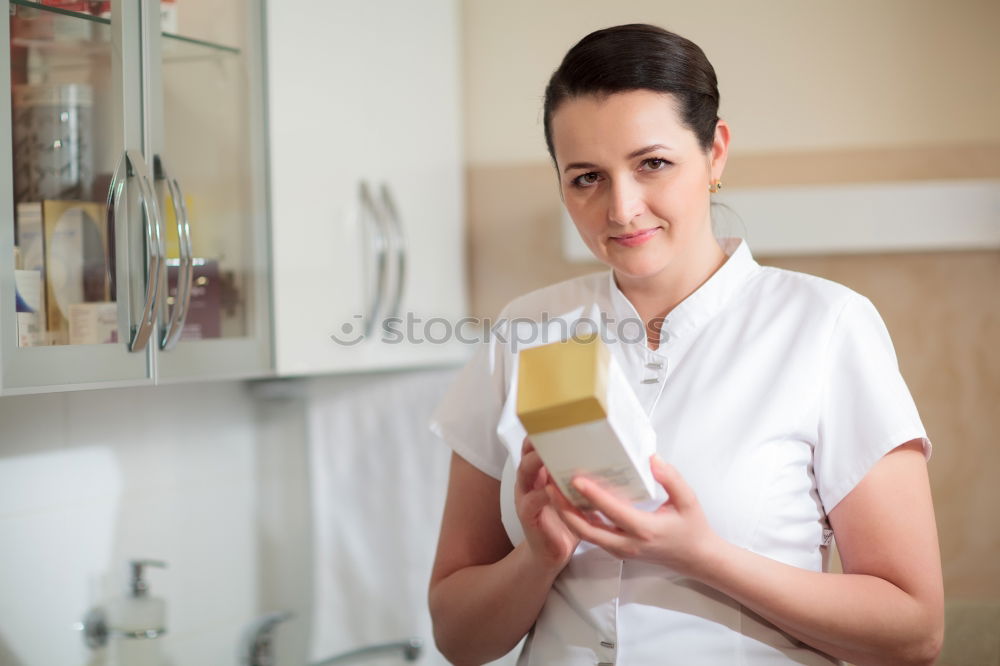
{"points": [[76, 264], [583, 418], [66, 242], [204, 316], [93, 323], [28, 304]]}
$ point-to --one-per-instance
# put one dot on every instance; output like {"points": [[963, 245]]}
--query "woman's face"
{"points": [[634, 179]]}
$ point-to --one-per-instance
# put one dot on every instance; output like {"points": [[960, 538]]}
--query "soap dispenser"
{"points": [[136, 620]]}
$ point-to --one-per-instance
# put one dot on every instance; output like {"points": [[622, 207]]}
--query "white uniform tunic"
{"points": [[773, 393]]}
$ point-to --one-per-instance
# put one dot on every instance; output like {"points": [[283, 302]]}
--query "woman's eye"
{"points": [[585, 180], [656, 163]]}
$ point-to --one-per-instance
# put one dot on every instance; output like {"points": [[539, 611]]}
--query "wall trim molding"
{"points": [[860, 218], [864, 165]]}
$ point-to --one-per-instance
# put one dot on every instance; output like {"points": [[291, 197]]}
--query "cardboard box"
{"points": [[30, 235], [31, 241], [204, 317], [93, 323], [67, 242], [583, 418], [28, 305]]}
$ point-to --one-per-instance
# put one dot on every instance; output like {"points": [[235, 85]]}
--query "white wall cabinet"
{"points": [[133, 213], [366, 183], [365, 172]]}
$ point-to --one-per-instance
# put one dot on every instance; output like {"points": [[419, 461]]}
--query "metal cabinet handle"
{"points": [[156, 250], [115, 188], [185, 274], [132, 163], [395, 224], [370, 215]]}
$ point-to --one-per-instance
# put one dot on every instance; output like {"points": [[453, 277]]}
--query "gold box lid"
{"points": [[562, 383]]}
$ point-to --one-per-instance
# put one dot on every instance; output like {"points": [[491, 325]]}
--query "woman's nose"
{"points": [[625, 202]]}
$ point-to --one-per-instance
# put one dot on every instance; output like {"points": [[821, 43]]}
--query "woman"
{"points": [[775, 396]]}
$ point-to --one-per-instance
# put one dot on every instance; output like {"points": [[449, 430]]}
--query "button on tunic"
{"points": [[773, 392]]}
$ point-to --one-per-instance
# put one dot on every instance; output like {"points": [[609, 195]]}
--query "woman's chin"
{"points": [[637, 272], [636, 264]]}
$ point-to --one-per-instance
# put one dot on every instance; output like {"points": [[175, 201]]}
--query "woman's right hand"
{"points": [[547, 536]]}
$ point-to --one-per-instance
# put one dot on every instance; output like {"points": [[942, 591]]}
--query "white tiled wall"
{"points": [[91, 479]]}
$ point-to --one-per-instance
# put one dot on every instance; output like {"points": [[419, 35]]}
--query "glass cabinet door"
{"points": [[78, 215], [207, 134]]}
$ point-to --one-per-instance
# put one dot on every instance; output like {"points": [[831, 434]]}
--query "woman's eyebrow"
{"points": [[579, 165], [647, 149]]}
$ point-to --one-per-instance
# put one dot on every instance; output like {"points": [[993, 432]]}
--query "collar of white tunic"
{"points": [[706, 301]]}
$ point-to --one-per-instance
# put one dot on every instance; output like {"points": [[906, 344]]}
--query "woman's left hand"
{"points": [[676, 535]]}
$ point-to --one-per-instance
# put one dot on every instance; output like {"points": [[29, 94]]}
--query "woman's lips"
{"points": [[638, 238]]}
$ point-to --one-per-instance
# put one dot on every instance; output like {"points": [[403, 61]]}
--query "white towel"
{"points": [[378, 479]]}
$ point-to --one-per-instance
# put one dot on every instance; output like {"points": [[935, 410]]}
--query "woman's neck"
{"points": [[655, 296]]}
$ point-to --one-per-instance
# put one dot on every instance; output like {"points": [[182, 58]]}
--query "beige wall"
{"points": [[793, 75], [816, 93]]}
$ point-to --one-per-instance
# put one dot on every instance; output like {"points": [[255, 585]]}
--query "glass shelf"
{"points": [[56, 10], [179, 46], [176, 47]]}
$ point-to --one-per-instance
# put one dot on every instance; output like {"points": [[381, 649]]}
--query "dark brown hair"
{"points": [[638, 57]]}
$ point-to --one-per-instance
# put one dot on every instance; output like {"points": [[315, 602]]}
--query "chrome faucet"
{"points": [[411, 648], [256, 648]]}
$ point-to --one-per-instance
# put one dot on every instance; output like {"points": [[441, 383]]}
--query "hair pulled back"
{"points": [[638, 57]]}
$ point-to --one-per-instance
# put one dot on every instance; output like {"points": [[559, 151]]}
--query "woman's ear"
{"points": [[720, 149]]}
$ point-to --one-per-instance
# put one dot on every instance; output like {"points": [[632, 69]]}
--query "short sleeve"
{"points": [[466, 418], [866, 409]]}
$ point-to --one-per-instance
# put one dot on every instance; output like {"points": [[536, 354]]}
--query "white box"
{"points": [[30, 311], [93, 323], [583, 418]]}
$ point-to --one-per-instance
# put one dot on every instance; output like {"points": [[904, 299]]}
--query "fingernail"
{"points": [[580, 484], [658, 461]]}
